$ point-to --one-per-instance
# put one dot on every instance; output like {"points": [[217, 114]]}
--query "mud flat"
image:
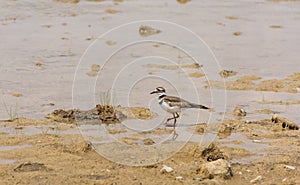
{"points": [[244, 152]]}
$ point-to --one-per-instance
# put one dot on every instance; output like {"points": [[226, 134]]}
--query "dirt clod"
{"points": [[285, 123], [213, 153], [29, 167]]}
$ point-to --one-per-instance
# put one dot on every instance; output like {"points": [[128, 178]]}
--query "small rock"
{"points": [[256, 141], [225, 131], [219, 167], [19, 127], [111, 11], [183, 1], [111, 42], [179, 178], [285, 123], [256, 179], [237, 33], [290, 167], [148, 141], [167, 169], [238, 111], [146, 31], [198, 179], [38, 64], [226, 73]]}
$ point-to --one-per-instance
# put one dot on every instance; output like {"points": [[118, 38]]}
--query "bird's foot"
{"points": [[175, 135]]}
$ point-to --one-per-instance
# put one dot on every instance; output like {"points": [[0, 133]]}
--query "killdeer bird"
{"points": [[174, 104]]}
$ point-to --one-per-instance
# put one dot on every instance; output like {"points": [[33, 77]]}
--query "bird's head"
{"points": [[159, 90]]}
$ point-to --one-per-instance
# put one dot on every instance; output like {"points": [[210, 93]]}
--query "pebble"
{"points": [[167, 169], [179, 178], [198, 179], [258, 178], [256, 141], [290, 167]]}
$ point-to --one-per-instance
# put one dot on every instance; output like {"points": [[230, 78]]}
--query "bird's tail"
{"points": [[199, 106]]}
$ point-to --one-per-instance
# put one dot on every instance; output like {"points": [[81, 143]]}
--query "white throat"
{"points": [[161, 95]]}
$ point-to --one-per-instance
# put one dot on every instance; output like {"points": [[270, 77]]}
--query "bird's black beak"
{"points": [[153, 92]]}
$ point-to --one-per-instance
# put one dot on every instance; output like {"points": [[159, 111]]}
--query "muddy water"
{"points": [[260, 49]]}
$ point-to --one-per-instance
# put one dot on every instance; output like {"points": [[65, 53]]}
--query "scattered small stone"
{"points": [[231, 17], [201, 128], [198, 179], [95, 68], [47, 26], [148, 141], [275, 26], [238, 111], [146, 31], [48, 104], [19, 127], [38, 64], [226, 73], [183, 1], [219, 167], [179, 178], [111, 42], [111, 11], [225, 131], [237, 33], [290, 167], [256, 179], [285, 123], [96, 0], [256, 141], [167, 169], [67, 1], [115, 131]]}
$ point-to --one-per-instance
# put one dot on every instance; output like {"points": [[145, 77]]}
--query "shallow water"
{"points": [[7, 161], [5, 148], [260, 50]]}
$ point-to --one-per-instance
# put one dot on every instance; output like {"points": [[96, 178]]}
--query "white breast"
{"points": [[167, 107]]}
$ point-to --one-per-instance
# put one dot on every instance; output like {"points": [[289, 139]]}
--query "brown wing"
{"points": [[176, 101]]}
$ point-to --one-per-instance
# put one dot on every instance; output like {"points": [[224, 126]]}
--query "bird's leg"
{"points": [[175, 116], [169, 119], [175, 135]]}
